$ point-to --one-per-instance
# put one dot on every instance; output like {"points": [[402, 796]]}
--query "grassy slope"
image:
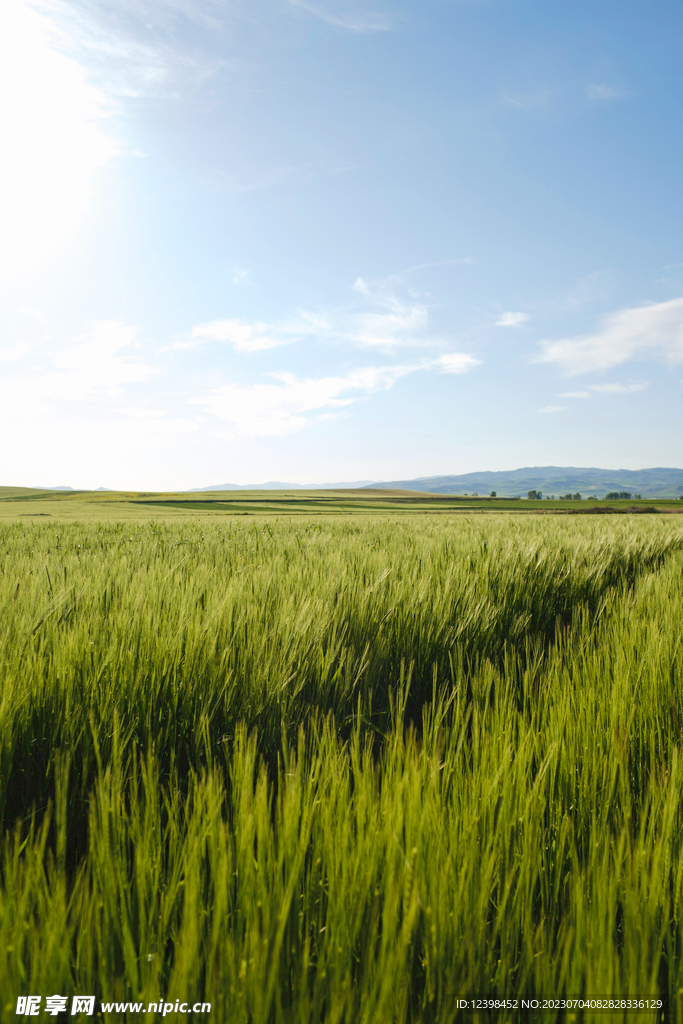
{"points": [[212, 721], [118, 505]]}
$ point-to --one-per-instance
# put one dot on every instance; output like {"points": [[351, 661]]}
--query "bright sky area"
{"points": [[338, 240]]}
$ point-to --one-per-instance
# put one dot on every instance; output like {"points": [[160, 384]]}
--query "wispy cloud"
{"points": [[396, 317], [244, 337], [538, 100], [400, 322], [385, 318], [239, 275], [456, 362], [284, 407], [617, 389], [344, 15], [603, 92], [291, 404], [137, 49], [605, 389], [35, 313], [12, 355], [654, 331], [511, 319], [98, 365]]}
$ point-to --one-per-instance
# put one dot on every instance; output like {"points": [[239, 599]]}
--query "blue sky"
{"points": [[323, 240]]}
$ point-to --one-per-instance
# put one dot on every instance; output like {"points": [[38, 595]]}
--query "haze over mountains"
{"points": [[278, 485], [550, 480], [557, 480], [507, 483]]}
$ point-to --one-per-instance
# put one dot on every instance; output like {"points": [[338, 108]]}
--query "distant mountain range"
{"points": [[550, 480], [278, 485], [557, 480]]}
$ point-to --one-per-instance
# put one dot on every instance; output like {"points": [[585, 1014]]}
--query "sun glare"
{"points": [[52, 126]]}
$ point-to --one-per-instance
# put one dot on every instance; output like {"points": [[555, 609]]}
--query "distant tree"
{"points": [[534, 495], [591, 497], [576, 497], [637, 495], [619, 495], [494, 495], [475, 494]]}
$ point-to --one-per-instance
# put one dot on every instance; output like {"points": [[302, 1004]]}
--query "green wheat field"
{"points": [[336, 768]]}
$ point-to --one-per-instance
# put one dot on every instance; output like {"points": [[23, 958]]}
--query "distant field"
{"points": [[18, 502], [343, 768]]}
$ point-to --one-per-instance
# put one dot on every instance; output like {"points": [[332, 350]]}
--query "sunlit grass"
{"points": [[341, 771]]}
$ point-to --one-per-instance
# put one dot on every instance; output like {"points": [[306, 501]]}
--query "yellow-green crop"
{"points": [[339, 770]]}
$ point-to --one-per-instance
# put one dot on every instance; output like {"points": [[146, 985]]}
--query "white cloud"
{"points": [[383, 319], [11, 355], [613, 389], [388, 321], [137, 48], [654, 331], [456, 362], [239, 275], [511, 319], [64, 409], [360, 285], [553, 408], [54, 138], [400, 322], [243, 336], [343, 15], [40, 317], [313, 321], [253, 337], [96, 366], [398, 326], [262, 410], [605, 389]]}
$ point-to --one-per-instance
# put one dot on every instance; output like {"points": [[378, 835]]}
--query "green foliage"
{"points": [[337, 770]]}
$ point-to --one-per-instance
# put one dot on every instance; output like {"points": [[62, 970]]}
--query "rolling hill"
{"points": [[650, 483]]}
